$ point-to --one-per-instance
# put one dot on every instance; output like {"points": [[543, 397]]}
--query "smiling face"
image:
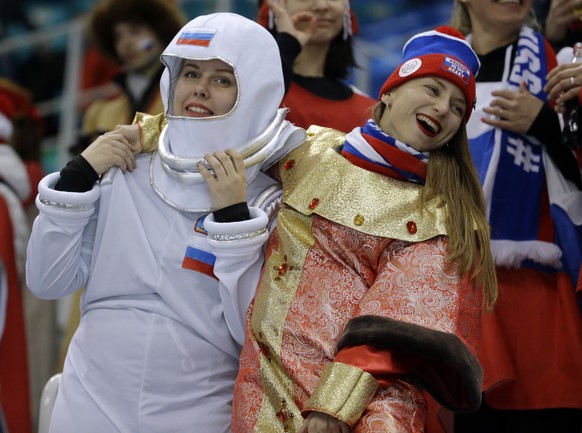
{"points": [[328, 14], [137, 46], [508, 15], [205, 88], [424, 113]]}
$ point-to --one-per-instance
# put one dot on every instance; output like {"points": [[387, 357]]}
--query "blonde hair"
{"points": [[452, 176], [461, 20]]}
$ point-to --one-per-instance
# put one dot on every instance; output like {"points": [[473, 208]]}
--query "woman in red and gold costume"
{"points": [[379, 266]]}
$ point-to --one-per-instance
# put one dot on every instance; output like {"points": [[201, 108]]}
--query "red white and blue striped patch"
{"points": [[196, 37], [457, 68], [199, 261]]}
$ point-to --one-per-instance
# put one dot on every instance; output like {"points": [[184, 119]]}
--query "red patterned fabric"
{"points": [[348, 274]]}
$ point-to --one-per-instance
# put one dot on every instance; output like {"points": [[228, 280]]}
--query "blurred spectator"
{"points": [[14, 189], [131, 33], [8, 284], [98, 70], [15, 184], [27, 129], [560, 20], [565, 84], [531, 348], [316, 44]]}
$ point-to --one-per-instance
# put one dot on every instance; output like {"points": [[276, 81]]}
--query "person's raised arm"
{"points": [[115, 148]]}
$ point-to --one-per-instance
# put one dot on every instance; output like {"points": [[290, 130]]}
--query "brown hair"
{"points": [[163, 17], [452, 176]]}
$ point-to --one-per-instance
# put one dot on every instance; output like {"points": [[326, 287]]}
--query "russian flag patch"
{"points": [[199, 261], [201, 37]]}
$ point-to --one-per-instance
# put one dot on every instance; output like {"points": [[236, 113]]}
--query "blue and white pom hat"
{"points": [[441, 52]]}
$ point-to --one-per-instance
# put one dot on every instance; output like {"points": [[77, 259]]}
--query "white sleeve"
{"points": [[238, 248], [61, 243]]}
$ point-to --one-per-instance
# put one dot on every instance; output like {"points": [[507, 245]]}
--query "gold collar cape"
{"points": [[317, 179]]}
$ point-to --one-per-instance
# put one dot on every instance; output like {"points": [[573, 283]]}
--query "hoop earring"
{"points": [[347, 20]]}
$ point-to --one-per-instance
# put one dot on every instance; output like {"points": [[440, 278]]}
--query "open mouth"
{"points": [[198, 111], [428, 125]]}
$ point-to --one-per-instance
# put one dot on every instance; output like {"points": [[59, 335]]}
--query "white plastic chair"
{"points": [[47, 401]]}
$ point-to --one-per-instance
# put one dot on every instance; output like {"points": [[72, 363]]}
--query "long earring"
{"points": [[271, 20], [347, 20]]}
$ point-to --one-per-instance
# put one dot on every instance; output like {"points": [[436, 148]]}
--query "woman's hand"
{"points": [[115, 148], [564, 83], [560, 15], [302, 25], [318, 422], [228, 184], [514, 111]]}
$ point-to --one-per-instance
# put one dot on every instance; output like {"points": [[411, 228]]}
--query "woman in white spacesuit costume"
{"points": [[162, 325]]}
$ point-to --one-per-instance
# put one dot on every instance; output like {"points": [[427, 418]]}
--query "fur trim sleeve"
{"points": [[449, 371]]}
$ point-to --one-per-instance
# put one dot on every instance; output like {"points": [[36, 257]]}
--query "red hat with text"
{"points": [[442, 52]]}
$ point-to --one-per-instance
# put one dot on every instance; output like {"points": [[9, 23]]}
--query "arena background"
{"points": [[42, 41]]}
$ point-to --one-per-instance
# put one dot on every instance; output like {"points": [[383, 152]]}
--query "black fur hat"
{"points": [[163, 17]]}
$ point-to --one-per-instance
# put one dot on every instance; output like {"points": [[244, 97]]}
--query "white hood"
{"points": [[255, 117], [253, 54]]}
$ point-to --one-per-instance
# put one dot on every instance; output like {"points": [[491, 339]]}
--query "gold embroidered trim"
{"points": [[378, 204], [343, 391], [270, 310]]}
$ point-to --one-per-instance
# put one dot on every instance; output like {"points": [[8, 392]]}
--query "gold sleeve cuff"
{"points": [[343, 391], [150, 129]]}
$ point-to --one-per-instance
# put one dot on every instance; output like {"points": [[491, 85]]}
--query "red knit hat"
{"points": [[442, 52]]}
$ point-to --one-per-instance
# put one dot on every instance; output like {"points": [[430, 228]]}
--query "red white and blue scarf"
{"points": [[371, 148], [513, 170]]}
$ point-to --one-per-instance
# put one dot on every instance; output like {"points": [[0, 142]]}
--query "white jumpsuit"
{"points": [[154, 351], [165, 293]]}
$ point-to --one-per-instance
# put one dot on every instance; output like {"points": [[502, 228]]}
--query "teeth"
{"points": [[428, 122], [198, 110]]}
